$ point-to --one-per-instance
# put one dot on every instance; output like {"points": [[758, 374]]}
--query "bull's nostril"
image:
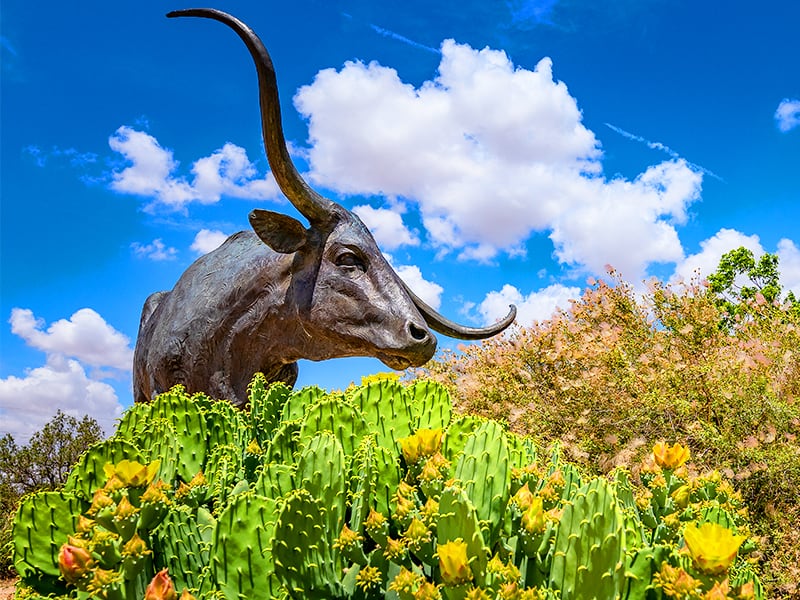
{"points": [[418, 333]]}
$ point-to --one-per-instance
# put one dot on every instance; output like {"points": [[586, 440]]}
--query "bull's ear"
{"points": [[280, 232]]}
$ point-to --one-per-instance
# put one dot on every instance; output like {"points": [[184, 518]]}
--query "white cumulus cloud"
{"points": [[789, 265], [156, 250], [27, 403], [429, 291], [152, 173], [490, 153], [706, 261], [538, 305], [207, 240], [787, 115], [387, 227], [85, 336]]}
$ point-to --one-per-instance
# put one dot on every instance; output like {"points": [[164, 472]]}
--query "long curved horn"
{"points": [[447, 327], [311, 205]]}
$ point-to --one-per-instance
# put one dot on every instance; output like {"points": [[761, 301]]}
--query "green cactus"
{"points": [[43, 523], [484, 473], [134, 421], [88, 475], [337, 416], [305, 561], [179, 546], [458, 520], [241, 553], [374, 478], [321, 471], [295, 405], [325, 505], [430, 404], [226, 426], [266, 405], [183, 413], [160, 442], [455, 438], [223, 471], [283, 445], [589, 555], [521, 451], [386, 410], [275, 480]]}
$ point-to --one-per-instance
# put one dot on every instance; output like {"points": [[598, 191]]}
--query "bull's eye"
{"points": [[351, 260]]}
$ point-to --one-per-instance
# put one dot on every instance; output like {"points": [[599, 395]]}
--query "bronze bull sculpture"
{"points": [[269, 297]]}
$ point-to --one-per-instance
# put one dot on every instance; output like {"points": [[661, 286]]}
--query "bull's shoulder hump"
{"points": [[150, 306]]}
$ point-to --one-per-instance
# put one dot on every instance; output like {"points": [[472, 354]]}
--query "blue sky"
{"points": [[499, 151]]}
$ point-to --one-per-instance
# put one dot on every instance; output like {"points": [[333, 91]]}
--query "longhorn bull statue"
{"points": [[281, 292]]}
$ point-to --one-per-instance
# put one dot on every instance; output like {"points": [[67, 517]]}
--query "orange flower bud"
{"points": [[161, 588], [74, 562]]}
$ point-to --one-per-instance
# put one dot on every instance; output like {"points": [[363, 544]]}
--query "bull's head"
{"points": [[346, 298]]}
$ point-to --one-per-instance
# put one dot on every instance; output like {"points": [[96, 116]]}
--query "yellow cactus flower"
{"points": [[522, 499], [154, 493], [454, 563], [416, 534], [125, 509], [405, 490], [712, 547], [430, 512], [253, 448], [85, 524], [681, 496], [668, 457], [423, 443], [102, 580], [376, 377], [477, 594], [374, 520], [508, 591], [368, 579], [404, 508], [100, 500], [132, 473], [534, 518]]}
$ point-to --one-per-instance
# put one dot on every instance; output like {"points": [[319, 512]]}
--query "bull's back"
{"points": [[177, 326]]}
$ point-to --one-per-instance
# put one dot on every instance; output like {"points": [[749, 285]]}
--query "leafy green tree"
{"points": [[42, 464], [46, 460], [740, 279]]}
